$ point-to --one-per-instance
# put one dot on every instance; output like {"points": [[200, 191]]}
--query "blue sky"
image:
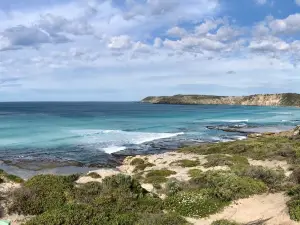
{"points": [[121, 50]]}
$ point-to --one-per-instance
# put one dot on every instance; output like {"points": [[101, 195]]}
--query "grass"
{"points": [[273, 147], [186, 163]]}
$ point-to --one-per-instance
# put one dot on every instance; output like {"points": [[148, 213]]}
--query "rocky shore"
{"points": [[252, 181], [284, 99]]}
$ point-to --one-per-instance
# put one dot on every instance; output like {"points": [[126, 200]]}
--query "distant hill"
{"points": [[284, 99]]}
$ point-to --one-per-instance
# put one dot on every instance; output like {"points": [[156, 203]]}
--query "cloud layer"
{"points": [[128, 49]]}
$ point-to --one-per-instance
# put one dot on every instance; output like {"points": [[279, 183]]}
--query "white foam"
{"points": [[236, 121], [113, 149], [112, 141]]}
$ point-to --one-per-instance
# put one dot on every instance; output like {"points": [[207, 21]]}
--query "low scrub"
{"points": [[158, 176], [117, 200], [199, 203], [274, 147], [225, 222], [228, 186], [140, 164], [294, 203], [225, 160], [42, 193], [273, 178], [195, 173], [186, 163], [9, 177], [94, 175], [294, 209]]}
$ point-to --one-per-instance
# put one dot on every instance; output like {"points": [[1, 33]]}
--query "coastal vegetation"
{"points": [[196, 182]]}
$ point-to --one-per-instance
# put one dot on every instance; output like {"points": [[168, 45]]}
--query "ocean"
{"points": [[99, 133]]}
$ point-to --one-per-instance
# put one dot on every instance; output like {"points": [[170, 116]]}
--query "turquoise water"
{"points": [[95, 132]]}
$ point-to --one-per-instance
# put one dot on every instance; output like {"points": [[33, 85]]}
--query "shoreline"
{"points": [[243, 181], [24, 171]]}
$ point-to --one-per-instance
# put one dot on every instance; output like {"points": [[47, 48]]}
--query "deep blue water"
{"points": [[89, 132]]}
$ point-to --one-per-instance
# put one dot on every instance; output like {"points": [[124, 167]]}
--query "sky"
{"points": [[125, 50]]}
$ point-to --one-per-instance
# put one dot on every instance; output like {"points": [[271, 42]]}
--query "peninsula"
{"points": [[283, 99]]}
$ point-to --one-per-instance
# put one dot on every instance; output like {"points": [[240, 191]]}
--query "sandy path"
{"points": [[270, 207]]}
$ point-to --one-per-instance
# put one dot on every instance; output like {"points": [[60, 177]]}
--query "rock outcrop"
{"points": [[285, 99]]}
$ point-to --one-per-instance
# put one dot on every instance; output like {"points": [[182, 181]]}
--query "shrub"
{"points": [[272, 178], [195, 173], [225, 160], [294, 209], [224, 222], [199, 203], [186, 163], [294, 192], [94, 175], [228, 186], [173, 186], [161, 219], [140, 164], [295, 176], [273, 147], [158, 176], [137, 161], [42, 193], [9, 177], [73, 214]]}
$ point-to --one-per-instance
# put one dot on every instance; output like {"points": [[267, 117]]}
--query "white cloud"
{"points": [[289, 25], [130, 47], [176, 32], [157, 42], [120, 42], [297, 2], [261, 2], [270, 44], [207, 26]]}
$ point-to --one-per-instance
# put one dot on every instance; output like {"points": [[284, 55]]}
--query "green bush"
{"points": [[186, 163], [94, 175], [274, 179], [225, 160], [9, 177], [294, 209], [195, 173], [228, 186], [137, 161], [73, 214], [42, 193], [173, 186], [224, 222], [140, 164], [158, 176], [161, 219], [199, 203], [274, 147]]}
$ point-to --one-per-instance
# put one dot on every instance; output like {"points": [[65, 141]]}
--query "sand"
{"points": [[269, 207]]}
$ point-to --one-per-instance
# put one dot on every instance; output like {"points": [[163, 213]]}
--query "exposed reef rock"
{"points": [[285, 99]]}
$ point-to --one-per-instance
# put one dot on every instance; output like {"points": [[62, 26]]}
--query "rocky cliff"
{"points": [[285, 99]]}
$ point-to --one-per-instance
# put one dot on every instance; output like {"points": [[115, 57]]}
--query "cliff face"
{"points": [[285, 99]]}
